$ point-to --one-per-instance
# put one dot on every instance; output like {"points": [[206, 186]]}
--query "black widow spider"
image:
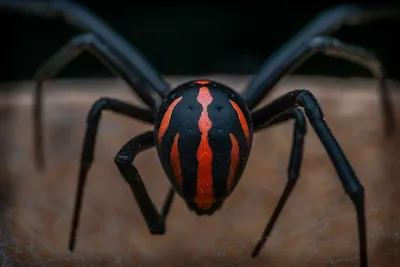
{"points": [[203, 130]]}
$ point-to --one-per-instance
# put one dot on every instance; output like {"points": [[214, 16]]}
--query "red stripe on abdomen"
{"points": [[166, 119], [242, 120], [234, 161], [176, 160], [205, 192], [202, 82]]}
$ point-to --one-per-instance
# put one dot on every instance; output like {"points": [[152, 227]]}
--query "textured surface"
{"points": [[317, 227]]}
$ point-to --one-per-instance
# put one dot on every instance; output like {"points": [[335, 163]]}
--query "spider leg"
{"points": [[296, 157], [85, 20], [351, 184], [79, 44], [324, 23], [367, 59], [335, 48], [87, 155], [124, 159]]}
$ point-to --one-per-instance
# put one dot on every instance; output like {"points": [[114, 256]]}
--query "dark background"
{"points": [[192, 37]]}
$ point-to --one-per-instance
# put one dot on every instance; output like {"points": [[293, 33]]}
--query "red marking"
{"points": [[202, 82], [176, 160], [166, 119], [243, 122], [205, 193], [235, 155]]}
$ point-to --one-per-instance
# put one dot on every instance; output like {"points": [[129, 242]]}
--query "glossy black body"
{"points": [[185, 121]]}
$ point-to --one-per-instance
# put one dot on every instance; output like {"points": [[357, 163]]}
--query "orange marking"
{"points": [[176, 160], [202, 82], [243, 122], [234, 160], [205, 193], [166, 119]]}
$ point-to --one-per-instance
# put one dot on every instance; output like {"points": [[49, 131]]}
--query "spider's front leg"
{"points": [[124, 160], [134, 147], [296, 157], [349, 180]]}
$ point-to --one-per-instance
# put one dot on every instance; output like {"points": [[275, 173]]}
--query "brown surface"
{"points": [[316, 229]]}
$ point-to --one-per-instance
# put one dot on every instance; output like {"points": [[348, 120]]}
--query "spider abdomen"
{"points": [[204, 135]]}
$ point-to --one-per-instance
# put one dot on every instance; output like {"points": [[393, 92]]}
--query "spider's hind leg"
{"points": [[276, 68], [75, 47], [326, 22]]}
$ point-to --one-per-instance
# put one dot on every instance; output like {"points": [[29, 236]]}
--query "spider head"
{"points": [[203, 134]]}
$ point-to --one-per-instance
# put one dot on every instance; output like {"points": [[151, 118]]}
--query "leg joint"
{"points": [[83, 40], [310, 104], [100, 105], [300, 121], [122, 160]]}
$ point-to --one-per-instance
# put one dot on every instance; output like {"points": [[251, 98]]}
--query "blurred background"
{"points": [[193, 37]]}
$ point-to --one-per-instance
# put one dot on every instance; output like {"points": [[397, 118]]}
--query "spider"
{"points": [[203, 130]]}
